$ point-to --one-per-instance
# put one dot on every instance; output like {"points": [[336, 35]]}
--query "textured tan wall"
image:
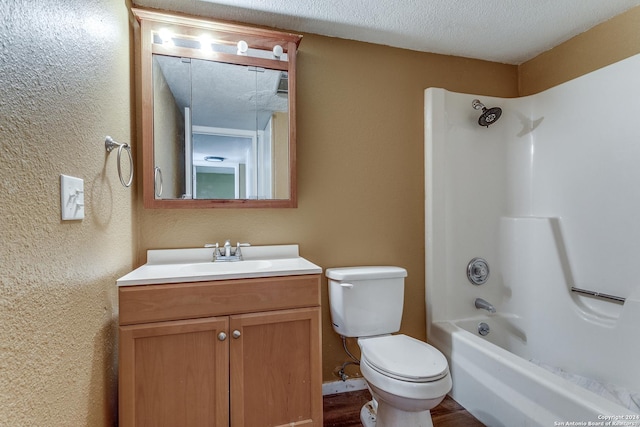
{"points": [[360, 168], [64, 85], [609, 42]]}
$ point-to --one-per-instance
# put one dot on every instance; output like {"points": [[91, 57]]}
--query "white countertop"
{"points": [[196, 265]]}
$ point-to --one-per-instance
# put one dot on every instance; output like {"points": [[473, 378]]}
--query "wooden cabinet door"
{"points": [[174, 374], [275, 365]]}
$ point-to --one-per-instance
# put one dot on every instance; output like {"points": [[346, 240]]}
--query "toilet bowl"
{"points": [[407, 377]]}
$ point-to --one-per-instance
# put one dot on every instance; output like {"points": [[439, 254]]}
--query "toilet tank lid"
{"points": [[366, 273]]}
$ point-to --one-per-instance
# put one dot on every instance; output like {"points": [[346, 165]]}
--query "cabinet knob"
{"points": [[222, 336], [236, 334]]}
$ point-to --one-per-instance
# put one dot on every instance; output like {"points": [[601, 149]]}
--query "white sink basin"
{"points": [[248, 266], [196, 265]]}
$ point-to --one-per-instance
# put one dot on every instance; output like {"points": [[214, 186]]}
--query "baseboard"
{"points": [[352, 384]]}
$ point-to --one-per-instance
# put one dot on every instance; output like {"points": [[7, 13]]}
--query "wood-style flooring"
{"points": [[343, 410]]}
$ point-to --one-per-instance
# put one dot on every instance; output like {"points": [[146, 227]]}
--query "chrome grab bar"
{"points": [[598, 295]]}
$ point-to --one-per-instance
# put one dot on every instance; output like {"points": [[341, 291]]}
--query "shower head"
{"points": [[489, 115]]}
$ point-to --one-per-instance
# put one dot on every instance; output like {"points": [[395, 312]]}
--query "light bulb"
{"points": [[278, 51], [166, 36], [242, 47], [205, 43]]}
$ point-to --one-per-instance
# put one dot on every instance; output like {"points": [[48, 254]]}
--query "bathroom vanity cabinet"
{"points": [[242, 352]]}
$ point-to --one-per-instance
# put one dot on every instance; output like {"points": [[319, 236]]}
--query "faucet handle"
{"points": [[216, 247], [238, 252]]}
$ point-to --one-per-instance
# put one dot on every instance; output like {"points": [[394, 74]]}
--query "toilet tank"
{"points": [[366, 301]]}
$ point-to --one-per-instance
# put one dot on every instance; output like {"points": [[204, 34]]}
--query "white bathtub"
{"points": [[502, 389], [549, 198]]}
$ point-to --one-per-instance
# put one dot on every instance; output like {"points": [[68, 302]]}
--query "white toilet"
{"points": [[406, 377]]}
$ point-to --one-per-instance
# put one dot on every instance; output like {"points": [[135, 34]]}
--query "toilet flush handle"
{"points": [[346, 285]]}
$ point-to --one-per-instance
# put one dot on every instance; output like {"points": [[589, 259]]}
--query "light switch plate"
{"points": [[71, 197]]}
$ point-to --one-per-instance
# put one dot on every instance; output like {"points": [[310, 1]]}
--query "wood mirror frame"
{"points": [[222, 33]]}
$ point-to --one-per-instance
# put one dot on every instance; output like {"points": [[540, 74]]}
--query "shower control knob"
{"points": [[478, 271], [222, 336], [236, 334]]}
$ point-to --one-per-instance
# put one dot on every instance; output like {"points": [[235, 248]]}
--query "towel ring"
{"points": [[110, 145]]}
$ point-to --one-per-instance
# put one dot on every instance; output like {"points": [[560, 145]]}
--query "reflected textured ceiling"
{"points": [[508, 31], [223, 95]]}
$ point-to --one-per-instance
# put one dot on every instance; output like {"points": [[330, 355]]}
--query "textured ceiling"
{"points": [[508, 31]]}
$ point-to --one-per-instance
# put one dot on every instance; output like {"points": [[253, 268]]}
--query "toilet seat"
{"points": [[404, 358]]}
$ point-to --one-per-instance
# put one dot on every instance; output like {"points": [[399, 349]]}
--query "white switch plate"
{"points": [[71, 197]]}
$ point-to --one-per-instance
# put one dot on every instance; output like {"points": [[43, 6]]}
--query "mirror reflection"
{"points": [[221, 130]]}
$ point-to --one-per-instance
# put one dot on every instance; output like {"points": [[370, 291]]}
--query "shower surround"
{"points": [[549, 195]]}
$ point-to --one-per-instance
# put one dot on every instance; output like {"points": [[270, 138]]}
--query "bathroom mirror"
{"points": [[217, 113]]}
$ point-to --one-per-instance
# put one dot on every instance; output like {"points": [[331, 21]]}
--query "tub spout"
{"points": [[480, 303]]}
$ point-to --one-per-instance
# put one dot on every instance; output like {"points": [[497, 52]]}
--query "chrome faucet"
{"points": [[480, 303], [227, 252]]}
